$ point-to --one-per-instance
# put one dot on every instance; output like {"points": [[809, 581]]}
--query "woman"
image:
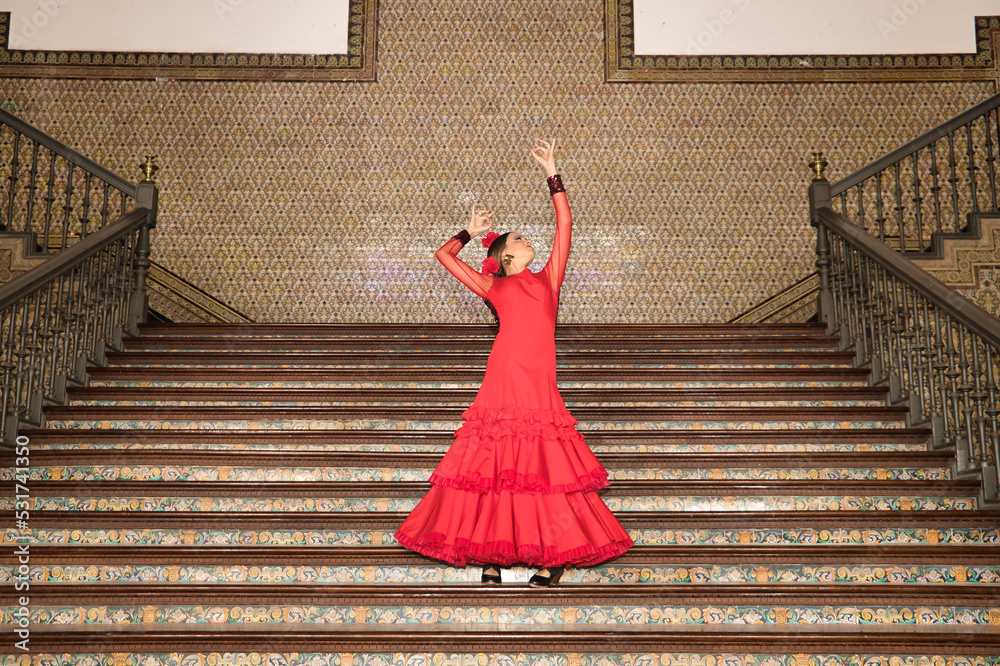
{"points": [[519, 483]]}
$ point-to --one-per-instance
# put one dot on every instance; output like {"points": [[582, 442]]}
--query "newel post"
{"points": [[819, 197], [146, 196]]}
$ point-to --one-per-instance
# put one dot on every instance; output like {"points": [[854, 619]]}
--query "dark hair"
{"points": [[495, 251]]}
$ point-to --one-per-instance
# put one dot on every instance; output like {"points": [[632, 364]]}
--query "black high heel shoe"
{"points": [[546, 581], [492, 579]]}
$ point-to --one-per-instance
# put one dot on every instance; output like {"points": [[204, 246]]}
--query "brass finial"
{"points": [[818, 164], [149, 167]]}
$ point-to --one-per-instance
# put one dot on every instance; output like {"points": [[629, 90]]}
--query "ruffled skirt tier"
{"points": [[517, 486]]}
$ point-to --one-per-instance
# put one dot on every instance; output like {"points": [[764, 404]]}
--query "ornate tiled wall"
{"points": [[325, 201]]}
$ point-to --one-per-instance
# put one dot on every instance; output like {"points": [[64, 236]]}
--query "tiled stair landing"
{"points": [[227, 495]]}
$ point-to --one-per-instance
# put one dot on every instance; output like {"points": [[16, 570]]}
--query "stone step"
{"points": [[676, 565], [423, 343], [94, 492], [635, 414], [62, 440], [660, 528], [376, 360], [569, 644], [597, 605], [332, 465], [438, 396], [279, 376], [467, 331]]}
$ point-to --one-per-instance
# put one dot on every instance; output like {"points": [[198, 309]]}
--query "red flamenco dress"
{"points": [[519, 484]]}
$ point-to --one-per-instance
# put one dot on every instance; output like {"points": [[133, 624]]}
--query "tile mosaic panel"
{"points": [[609, 575], [651, 614], [325, 201]]}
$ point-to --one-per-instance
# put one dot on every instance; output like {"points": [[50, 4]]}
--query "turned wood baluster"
{"points": [[936, 189], [916, 354], [978, 407], [901, 390], [866, 310], [85, 212], [32, 189], [964, 389], [953, 180], [991, 172], [993, 406], [861, 208], [918, 202], [954, 397], [46, 336], [899, 208], [58, 370], [941, 355], [13, 178], [926, 349], [880, 318], [880, 218], [972, 168], [34, 385], [21, 369], [67, 207], [50, 200], [908, 334], [8, 416]]}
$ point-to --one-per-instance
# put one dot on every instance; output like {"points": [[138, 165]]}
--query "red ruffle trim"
{"points": [[505, 528], [520, 450], [464, 552]]}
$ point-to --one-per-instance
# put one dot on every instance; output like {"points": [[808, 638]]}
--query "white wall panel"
{"points": [[186, 26], [807, 27]]}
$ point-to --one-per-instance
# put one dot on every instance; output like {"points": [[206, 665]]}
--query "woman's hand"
{"points": [[480, 223], [545, 154]]}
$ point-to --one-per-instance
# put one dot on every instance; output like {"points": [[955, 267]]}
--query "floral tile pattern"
{"points": [[520, 659], [651, 614]]}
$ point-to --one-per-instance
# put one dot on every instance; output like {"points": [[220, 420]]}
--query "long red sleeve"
{"points": [[555, 269], [447, 254]]}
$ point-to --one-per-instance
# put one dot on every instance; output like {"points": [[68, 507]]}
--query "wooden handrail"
{"points": [[23, 285], [963, 310], [942, 130], [68, 153]]}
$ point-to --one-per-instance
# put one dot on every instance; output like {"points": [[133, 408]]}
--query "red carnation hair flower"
{"points": [[490, 266], [489, 238]]}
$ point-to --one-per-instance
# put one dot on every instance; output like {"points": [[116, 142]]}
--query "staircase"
{"points": [[227, 494]]}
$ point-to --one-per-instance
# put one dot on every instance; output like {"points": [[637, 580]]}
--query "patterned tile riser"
{"points": [[623, 504], [608, 574], [429, 403], [649, 537], [448, 385], [658, 366], [519, 659], [441, 448], [651, 614], [292, 425], [389, 474]]}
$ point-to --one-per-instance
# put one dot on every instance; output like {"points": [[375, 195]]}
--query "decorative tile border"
{"points": [[623, 66], [358, 64]]}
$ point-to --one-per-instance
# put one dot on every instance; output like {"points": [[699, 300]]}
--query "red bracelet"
{"points": [[463, 236], [555, 184]]}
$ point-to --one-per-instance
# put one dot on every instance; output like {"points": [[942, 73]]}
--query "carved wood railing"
{"points": [[938, 351], [927, 190], [53, 193], [60, 316]]}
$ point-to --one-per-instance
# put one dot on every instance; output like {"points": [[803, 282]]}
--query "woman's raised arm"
{"points": [[447, 254], [555, 269]]}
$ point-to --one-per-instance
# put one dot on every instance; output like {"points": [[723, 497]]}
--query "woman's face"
{"points": [[520, 247]]}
